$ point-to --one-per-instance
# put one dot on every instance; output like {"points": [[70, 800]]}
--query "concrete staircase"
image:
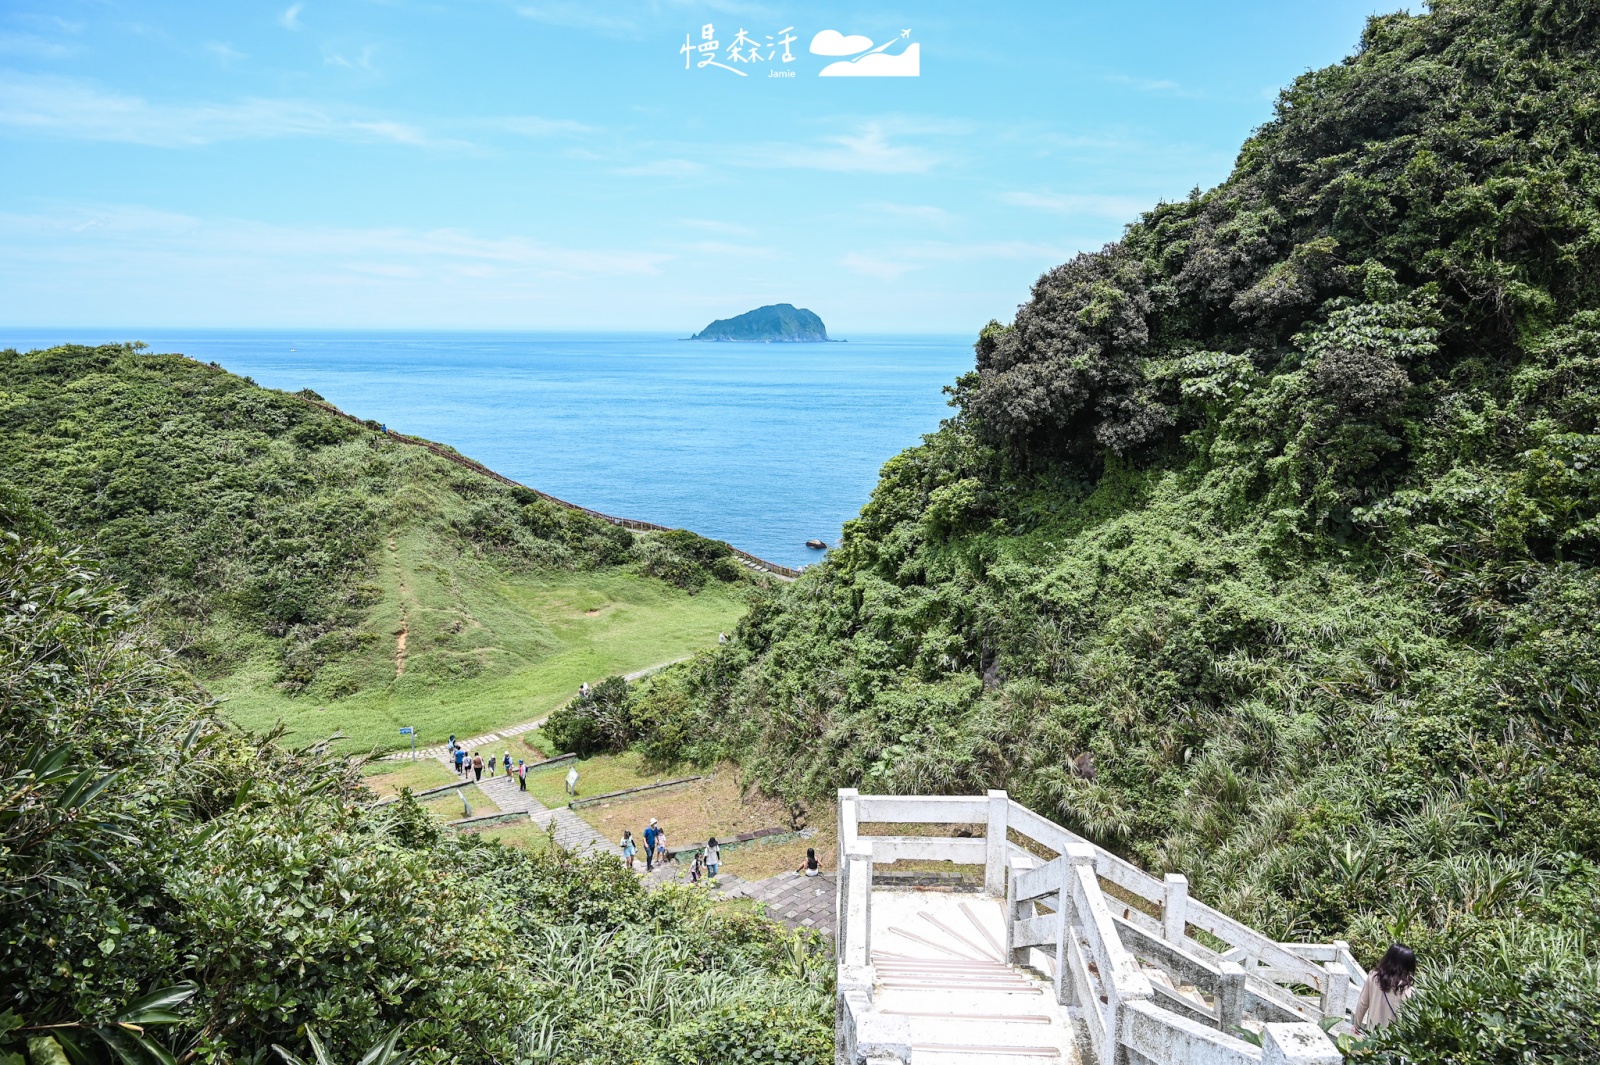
{"points": [[938, 962]]}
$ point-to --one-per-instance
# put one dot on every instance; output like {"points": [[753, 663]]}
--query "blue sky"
{"points": [[551, 164]]}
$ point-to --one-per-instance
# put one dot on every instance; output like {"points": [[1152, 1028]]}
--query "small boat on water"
{"points": [[817, 545]]}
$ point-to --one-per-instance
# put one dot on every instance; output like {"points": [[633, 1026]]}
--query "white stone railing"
{"points": [[1055, 903]]}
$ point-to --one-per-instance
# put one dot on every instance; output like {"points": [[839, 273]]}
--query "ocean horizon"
{"points": [[765, 446]]}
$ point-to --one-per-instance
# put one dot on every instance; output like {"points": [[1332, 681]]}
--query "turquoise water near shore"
{"points": [[765, 446]]}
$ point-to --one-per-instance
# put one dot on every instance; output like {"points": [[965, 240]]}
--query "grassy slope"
{"points": [[539, 635], [283, 548]]}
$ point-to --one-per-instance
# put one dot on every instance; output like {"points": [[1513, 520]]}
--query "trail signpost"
{"points": [[409, 731]]}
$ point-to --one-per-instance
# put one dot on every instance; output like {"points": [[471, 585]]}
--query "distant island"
{"points": [[779, 323]]}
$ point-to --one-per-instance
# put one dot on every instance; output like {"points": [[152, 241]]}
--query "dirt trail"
{"points": [[405, 620]]}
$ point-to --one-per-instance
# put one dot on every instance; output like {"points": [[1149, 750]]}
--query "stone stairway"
{"points": [[571, 832], [938, 962]]}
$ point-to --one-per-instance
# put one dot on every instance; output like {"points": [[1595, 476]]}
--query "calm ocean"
{"points": [[765, 446]]}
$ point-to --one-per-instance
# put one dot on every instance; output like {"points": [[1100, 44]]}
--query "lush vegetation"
{"points": [[223, 892], [312, 569], [1263, 543]]}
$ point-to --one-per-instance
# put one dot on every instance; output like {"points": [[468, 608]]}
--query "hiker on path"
{"points": [[650, 835], [722, 637], [583, 690], [697, 870], [452, 741], [713, 856], [461, 758], [661, 846], [507, 760], [490, 766], [628, 849], [477, 766], [522, 775], [811, 867], [1387, 986], [572, 781]]}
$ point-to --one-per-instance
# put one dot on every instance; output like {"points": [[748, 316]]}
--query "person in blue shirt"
{"points": [[461, 757], [650, 835]]}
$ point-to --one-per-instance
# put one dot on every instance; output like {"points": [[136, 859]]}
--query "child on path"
{"points": [[812, 867], [661, 846], [628, 849], [522, 775], [713, 856], [650, 835], [490, 766], [697, 869]]}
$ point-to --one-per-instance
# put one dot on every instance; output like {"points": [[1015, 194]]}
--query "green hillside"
{"points": [[174, 890], [310, 568], [1262, 543]]}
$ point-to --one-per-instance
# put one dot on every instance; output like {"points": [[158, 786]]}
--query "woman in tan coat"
{"points": [[1387, 986]]}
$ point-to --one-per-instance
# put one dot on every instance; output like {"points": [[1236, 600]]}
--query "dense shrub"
{"points": [[1262, 544], [144, 844], [594, 723]]}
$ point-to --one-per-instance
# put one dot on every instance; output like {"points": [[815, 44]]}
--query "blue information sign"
{"points": [[406, 731]]}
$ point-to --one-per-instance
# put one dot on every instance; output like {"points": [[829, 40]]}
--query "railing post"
{"points": [[846, 835], [1336, 989], [1230, 996], [1067, 992], [1175, 907], [1017, 864], [994, 866], [1297, 1044], [857, 943]]}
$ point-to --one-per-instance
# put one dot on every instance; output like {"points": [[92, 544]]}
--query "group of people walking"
{"points": [[706, 860], [471, 765]]}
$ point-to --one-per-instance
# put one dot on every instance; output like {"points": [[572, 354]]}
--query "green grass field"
{"points": [[483, 648], [596, 776], [387, 778]]}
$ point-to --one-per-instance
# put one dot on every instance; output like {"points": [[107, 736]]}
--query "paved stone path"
{"points": [[798, 901]]}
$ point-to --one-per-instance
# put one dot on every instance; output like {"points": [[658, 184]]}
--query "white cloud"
{"points": [[224, 52], [34, 45], [134, 230], [72, 108], [290, 19], [671, 168], [925, 213], [832, 42], [534, 125], [868, 150], [908, 64], [362, 62], [1126, 208], [895, 260], [712, 225]]}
